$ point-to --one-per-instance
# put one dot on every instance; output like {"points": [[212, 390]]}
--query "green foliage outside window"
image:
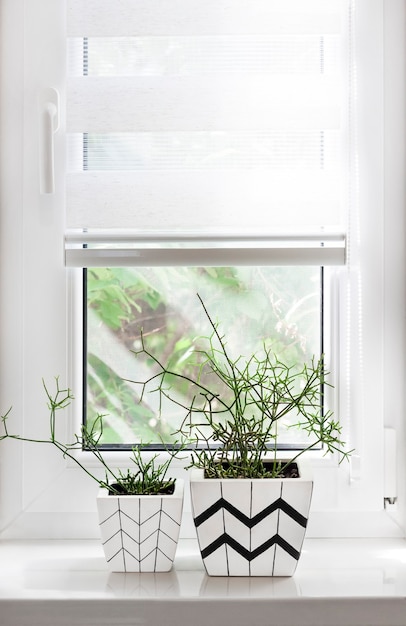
{"points": [[276, 305]]}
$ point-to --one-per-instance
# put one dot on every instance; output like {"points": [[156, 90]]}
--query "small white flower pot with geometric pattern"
{"points": [[250, 527], [140, 533]]}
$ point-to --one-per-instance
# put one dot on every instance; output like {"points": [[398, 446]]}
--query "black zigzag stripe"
{"points": [[250, 522], [247, 554]]}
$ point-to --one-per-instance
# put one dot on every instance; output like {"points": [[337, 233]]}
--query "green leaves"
{"points": [[108, 294], [280, 305]]}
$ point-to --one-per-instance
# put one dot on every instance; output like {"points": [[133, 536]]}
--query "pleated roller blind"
{"points": [[215, 121]]}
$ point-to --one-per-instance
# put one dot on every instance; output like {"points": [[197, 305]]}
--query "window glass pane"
{"points": [[278, 306]]}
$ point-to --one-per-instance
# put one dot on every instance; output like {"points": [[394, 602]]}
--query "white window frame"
{"points": [[38, 317]]}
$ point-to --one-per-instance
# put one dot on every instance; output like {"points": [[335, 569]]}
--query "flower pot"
{"points": [[140, 533], [250, 527]]}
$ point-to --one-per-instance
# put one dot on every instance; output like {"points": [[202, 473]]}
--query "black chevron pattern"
{"points": [[123, 552], [140, 534], [248, 554], [250, 522], [131, 546], [120, 512], [267, 542]]}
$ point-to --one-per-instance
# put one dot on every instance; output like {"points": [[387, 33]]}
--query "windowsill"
{"points": [[337, 582]]}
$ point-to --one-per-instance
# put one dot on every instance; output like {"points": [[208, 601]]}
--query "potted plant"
{"points": [[139, 510], [250, 505]]}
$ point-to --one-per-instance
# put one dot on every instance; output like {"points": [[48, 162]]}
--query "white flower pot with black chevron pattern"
{"points": [[140, 533], [250, 527]]}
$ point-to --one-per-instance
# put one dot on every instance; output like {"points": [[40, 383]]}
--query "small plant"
{"points": [[148, 477], [233, 421]]}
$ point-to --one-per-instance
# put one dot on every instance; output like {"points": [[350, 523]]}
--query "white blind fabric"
{"points": [[124, 18], [210, 118]]}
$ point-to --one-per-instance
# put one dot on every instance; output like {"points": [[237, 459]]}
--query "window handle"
{"points": [[49, 124]]}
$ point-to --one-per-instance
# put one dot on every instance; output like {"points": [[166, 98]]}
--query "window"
{"points": [[40, 333], [228, 132], [279, 306]]}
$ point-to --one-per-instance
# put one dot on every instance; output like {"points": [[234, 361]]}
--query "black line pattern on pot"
{"points": [[250, 522], [225, 539], [135, 521], [138, 543], [274, 560], [125, 551]]}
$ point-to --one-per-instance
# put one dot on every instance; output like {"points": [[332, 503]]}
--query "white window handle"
{"points": [[49, 124]]}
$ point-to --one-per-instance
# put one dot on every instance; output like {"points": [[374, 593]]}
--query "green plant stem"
{"points": [[147, 478], [61, 447], [244, 417]]}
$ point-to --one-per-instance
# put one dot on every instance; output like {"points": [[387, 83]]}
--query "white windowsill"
{"points": [[337, 582]]}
